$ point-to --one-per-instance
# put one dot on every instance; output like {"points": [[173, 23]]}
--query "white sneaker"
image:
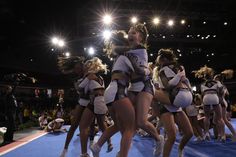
{"points": [[63, 153], [95, 148], [159, 146]]}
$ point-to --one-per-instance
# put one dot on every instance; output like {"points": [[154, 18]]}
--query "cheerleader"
{"points": [[210, 92], [226, 74], [141, 89], [68, 66], [76, 65], [119, 105], [192, 112], [97, 107], [173, 80]]}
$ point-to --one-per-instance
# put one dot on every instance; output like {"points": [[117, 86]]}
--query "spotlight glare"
{"points": [[55, 40], [156, 21], [170, 23], [225, 23], [134, 20], [107, 34], [194, 88], [91, 51], [182, 22], [61, 43], [107, 19], [67, 54], [204, 22]]}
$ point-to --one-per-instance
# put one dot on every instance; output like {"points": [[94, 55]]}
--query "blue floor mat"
{"points": [[50, 145]]}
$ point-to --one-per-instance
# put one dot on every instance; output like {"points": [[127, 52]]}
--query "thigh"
{"points": [[132, 97], [78, 113], [86, 119], [169, 123], [207, 110], [218, 111], [183, 122], [125, 113], [142, 103]]}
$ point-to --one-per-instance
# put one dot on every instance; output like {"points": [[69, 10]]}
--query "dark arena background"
{"points": [[33, 34]]}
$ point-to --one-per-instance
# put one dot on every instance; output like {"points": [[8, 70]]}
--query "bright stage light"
{"points": [[67, 54], [106, 34], [134, 20], [182, 22], [55, 40], [107, 19], [170, 23], [91, 51], [156, 21], [61, 43]]}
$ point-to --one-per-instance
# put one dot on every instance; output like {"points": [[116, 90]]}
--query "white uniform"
{"points": [[97, 100], [210, 90], [139, 60], [180, 97], [79, 86], [117, 89]]}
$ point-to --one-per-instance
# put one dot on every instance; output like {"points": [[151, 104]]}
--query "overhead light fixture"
{"points": [[182, 22], [91, 51], [170, 23], [134, 20], [156, 21], [107, 19]]}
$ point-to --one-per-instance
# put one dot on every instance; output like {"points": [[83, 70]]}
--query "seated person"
{"points": [[43, 121], [56, 126]]}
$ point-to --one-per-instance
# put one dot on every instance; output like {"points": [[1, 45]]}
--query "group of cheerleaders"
{"points": [[134, 86]]}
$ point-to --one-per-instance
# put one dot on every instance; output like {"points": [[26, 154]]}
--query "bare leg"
{"points": [[86, 120], [219, 121], [79, 110], [228, 123], [183, 123], [170, 129], [125, 115], [143, 102]]}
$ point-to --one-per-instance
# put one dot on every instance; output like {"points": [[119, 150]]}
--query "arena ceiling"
{"points": [[207, 37]]}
